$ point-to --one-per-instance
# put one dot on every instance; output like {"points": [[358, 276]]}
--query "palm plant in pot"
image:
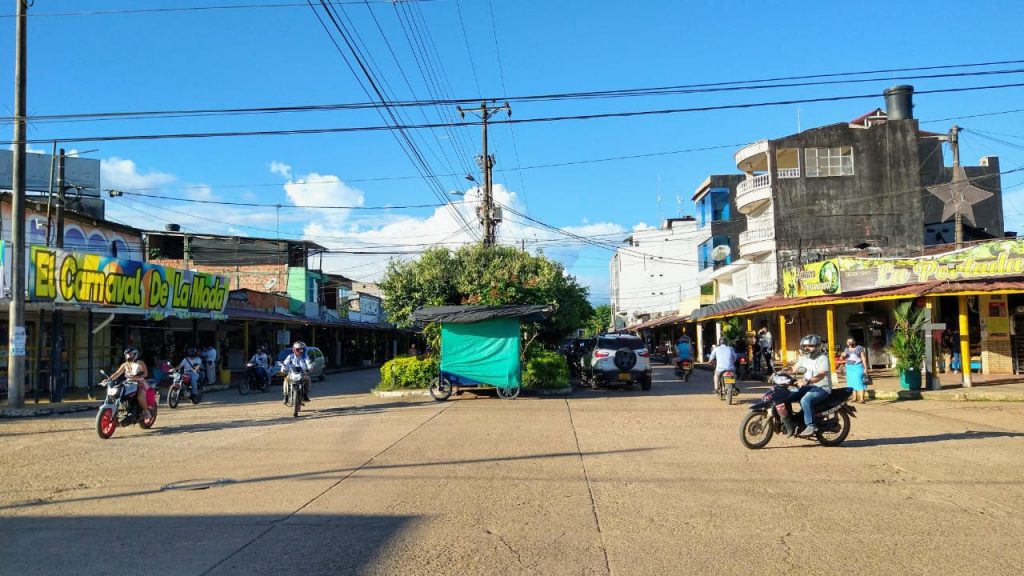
{"points": [[908, 344]]}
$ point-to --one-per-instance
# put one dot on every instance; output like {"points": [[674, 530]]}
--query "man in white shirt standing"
{"points": [[210, 358]]}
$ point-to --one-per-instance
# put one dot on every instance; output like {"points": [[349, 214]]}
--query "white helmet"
{"points": [[810, 346]]}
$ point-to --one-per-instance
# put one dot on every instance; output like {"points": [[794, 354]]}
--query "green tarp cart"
{"points": [[480, 346]]}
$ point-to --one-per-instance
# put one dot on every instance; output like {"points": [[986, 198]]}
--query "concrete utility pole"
{"points": [[954, 144], [486, 164], [57, 326], [16, 319]]}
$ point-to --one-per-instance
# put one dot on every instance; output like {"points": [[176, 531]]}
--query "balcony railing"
{"points": [[751, 184], [757, 234], [789, 172], [762, 288]]}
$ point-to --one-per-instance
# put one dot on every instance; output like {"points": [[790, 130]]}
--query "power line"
{"points": [[544, 119], [279, 205], [125, 11]]}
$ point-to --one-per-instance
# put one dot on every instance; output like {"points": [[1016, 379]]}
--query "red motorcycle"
{"points": [[684, 369]]}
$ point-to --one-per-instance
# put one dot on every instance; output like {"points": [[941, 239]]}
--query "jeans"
{"points": [[263, 374], [808, 396]]}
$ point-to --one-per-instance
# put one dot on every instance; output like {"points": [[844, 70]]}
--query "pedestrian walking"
{"points": [[856, 360]]}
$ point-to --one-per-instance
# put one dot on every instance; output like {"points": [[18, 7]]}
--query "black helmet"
{"points": [[131, 354], [191, 351], [810, 346]]}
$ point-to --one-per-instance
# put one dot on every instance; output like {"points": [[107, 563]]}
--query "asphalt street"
{"points": [[616, 482]]}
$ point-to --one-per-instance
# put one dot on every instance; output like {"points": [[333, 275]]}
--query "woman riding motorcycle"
{"points": [[135, 370]]}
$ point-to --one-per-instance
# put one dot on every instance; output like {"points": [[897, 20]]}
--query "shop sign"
{"points": [[995, 259], [90, 279]]}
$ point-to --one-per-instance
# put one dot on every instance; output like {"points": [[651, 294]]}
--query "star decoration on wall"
{"points": [[959, 195]]}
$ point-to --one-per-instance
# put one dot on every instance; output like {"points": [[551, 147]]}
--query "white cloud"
{"points": [[643, 226], [324, 190], [123, 174], [281, 168]]}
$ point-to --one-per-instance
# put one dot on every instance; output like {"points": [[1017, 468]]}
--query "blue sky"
{"points": [[282, 56]]}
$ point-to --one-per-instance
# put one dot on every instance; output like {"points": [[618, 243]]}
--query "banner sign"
{"points": [[999, 258], [90, 279]]}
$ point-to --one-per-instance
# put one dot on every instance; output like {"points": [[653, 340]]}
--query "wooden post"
{"points": [[965, 343], [830, 320], [750, 344], [782, 340], [700, 343], [245, 340]]}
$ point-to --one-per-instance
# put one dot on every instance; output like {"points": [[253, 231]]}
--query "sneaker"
{"points": [[147, 415], [809, 431]]}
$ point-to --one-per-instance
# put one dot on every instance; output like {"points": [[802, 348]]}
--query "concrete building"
{"points": [[655, 272]]}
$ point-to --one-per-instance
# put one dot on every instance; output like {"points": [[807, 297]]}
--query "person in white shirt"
{"points": [[817, 380], [299, 358], [723, 357], [210, 359], [193, 365], [262, 362]]}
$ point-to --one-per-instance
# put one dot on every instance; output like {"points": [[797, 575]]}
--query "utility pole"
{"points": [[486, 162], [16, 319], [57, 326], [954, 144]]}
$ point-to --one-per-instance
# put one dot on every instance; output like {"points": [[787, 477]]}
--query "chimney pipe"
{"points": [[899, 102]]}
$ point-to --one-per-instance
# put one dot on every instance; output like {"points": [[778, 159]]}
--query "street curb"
{"points": [[547, 391], [951, 396], [404, 393], [34, 412]]}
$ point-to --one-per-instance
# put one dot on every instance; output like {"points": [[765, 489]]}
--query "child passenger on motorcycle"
{"points": [[136, 371]]}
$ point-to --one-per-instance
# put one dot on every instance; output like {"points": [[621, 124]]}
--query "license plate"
{"points": [[730, 380], [624, 377]]}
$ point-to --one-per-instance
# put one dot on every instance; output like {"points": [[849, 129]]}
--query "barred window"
{"points": [[829, 161]]}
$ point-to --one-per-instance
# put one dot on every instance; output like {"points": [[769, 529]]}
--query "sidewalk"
{"points": [[993, 388]]}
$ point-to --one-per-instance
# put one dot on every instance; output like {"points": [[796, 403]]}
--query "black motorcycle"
{"points": [[254, 380], [684, 370], [772, 414]]}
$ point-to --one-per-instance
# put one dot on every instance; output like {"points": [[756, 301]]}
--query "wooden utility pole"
{"points": [[486, 213], [958, 229], [57, 326], [16, 319]]}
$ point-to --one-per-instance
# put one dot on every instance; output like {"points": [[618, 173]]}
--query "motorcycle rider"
{"points": [[134, 369], [298, 358], [262, 362], [684, 351], [817, 380], [192, 364], [723, 357]]}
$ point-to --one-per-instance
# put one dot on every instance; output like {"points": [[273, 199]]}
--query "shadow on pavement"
{"points": [[338, 474], [192, 544], [968, 435]]}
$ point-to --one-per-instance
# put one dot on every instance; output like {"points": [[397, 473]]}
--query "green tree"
{"points": [[599, 320], [478, 275]]}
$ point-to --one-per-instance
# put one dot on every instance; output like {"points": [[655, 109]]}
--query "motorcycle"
{"points": [[727, 387], [181, 384], [254, 380], [766, 418], [742, 366], [295, 387], [684, 369], [661, 354], [120, 407]]}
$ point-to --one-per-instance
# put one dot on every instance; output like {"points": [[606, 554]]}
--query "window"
{"points": [[829, 161], [714, 206]]}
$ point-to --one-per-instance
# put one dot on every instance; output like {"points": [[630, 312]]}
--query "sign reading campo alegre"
{"points": [[76, 278]]}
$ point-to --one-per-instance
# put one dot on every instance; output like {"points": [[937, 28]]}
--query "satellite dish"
{"points": [[720, 253], [270, 284]]}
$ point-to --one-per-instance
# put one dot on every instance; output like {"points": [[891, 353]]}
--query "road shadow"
{"points": [[194, 544], [967, 435]]}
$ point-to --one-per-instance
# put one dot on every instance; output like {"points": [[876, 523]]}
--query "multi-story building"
{"points": [[715, 198], [655, 272], [850, 188]]}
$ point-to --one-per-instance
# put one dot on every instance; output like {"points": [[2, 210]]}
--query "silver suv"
{"points": [[616, 359]]}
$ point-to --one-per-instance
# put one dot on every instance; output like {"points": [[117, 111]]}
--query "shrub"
{"points": [[407, 372], [545, 369]]}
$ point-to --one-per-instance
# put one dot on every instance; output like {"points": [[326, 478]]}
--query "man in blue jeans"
{"points": [[817, 380]]}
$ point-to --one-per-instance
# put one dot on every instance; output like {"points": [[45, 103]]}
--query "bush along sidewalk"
{"points": [[407, 372], [545, 370]]}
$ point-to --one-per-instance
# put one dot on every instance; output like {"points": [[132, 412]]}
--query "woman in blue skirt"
{"points": [[856, 365]]}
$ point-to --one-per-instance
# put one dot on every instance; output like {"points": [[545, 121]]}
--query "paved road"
{"points": [[604, 482]]}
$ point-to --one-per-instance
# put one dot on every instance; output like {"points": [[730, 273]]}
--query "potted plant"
{"points": [[908, 344]]}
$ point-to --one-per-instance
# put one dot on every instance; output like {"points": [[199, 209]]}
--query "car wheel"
{"points": [[645, 384]]}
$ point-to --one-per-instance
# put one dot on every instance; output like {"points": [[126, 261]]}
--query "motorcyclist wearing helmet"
{"points": [[298, 358], [193, 365], [135, 369], [684, 350], [817, 379], [723, 357], [262, 362]]}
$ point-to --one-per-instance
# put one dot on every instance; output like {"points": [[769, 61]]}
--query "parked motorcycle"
{"points": [[120, 407], [661, 355], [766, 418], [254, 380], [295, 388], [742, 366], [181, 385], [684, 370]]}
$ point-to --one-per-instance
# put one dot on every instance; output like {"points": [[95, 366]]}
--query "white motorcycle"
{"points": [[120, 408], [295, 387]]}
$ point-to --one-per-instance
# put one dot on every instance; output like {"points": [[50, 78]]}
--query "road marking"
{"points": [[590, 488]]}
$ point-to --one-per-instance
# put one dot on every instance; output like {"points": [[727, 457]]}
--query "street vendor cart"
{"points": [[480, 346]]}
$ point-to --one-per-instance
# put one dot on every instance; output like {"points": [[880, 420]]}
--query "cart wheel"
{"points": [[508, 393], [440, 389]]}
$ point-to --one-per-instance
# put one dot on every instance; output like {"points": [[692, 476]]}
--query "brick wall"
{"points": [[256, 277]]}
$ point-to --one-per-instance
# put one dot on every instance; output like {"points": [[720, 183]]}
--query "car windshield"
{"points": [[620, 342], [284, 354]]}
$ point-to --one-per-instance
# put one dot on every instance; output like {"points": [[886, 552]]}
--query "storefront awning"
{"points": [[965, 288], [717, 310]]}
